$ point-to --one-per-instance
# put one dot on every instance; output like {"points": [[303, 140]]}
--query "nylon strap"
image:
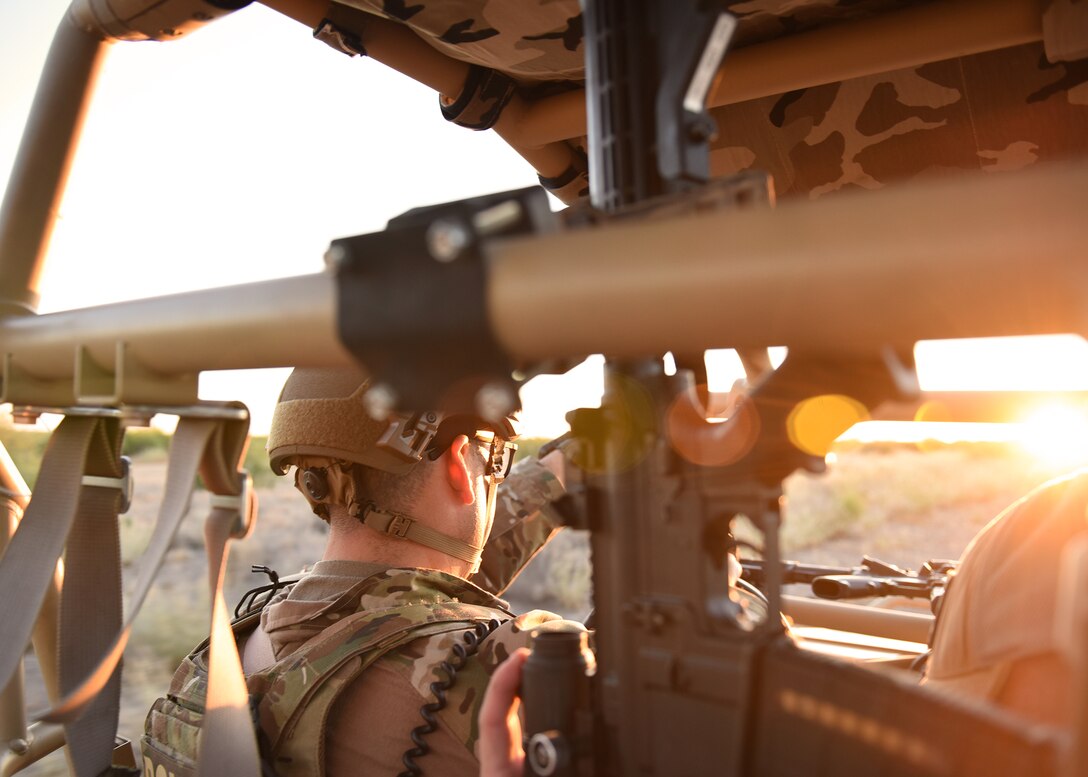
{"points": [[228, 740], [91, 605], [187, 447], [209, 443], [408, 528], [30, 562], [28, 565]]}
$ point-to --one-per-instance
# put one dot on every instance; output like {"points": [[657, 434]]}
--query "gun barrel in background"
{"points": [[849, 587]]}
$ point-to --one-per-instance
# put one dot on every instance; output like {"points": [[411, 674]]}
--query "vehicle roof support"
{"points": [[828, 270], [45, 156]]}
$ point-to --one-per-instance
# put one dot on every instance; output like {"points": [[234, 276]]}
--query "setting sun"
{"points": [[1057, 435]]}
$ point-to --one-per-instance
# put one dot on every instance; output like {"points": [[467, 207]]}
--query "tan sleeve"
{"points": [[369, 731]]}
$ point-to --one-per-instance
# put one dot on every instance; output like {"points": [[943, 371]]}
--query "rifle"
{"points": [[871, 578]]}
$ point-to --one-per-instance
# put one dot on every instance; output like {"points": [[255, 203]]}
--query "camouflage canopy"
{"points": [[997, 110]]}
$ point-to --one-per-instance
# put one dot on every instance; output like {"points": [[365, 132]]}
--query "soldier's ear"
{"points": [[457, 470]]}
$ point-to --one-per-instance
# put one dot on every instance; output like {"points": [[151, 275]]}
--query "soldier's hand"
{"points": [[501, 754]]}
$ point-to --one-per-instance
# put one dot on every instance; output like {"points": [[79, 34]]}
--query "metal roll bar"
{"points": [[974, 257], [984, 256]]}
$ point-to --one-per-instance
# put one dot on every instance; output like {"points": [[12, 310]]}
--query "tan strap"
{"points": [[28, 566], [215, 446], [187, 448], [228, 740], [91, 604], [26, 569], [408, 528]]}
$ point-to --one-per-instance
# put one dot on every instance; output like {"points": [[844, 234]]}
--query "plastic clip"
{"points": [[122, 484], [244, 504]]}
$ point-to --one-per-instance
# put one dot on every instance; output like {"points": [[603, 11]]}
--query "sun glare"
{"points": [[1056, 435]]}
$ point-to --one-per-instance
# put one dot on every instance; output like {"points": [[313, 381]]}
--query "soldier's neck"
{"points": [[350, 541]]}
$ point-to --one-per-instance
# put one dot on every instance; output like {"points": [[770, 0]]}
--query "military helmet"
{"points": [[321, 412]]}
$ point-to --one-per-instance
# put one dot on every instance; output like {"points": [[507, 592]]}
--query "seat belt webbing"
{"points": [[228, 739], [186, 449], [91, 604], [29, 563], [207, 444]]}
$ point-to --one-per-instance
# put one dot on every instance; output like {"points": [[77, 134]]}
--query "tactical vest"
{"points": [[291, 699]]}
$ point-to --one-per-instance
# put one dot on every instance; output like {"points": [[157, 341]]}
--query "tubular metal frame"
{"points": [[38, 739], [801, 275]]}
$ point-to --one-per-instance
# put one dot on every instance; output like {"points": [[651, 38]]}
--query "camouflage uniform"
{"points": [[317, 710]]}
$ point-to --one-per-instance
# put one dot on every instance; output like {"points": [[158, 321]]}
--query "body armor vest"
{"points": [[290, 700]]}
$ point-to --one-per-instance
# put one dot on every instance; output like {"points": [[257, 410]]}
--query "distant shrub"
{"points": [[256, 463], [529, 447], [25, 446], [145, 443], [173, 620]]}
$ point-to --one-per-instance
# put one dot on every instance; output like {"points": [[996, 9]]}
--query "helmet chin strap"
{"points": [[406, 527]]}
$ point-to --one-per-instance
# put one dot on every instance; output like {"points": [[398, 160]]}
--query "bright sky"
{"points": [[239, 152], [233, 155]]}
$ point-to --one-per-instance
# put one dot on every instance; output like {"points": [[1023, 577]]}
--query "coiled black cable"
{"points": [[249, 601], [456, 661]]}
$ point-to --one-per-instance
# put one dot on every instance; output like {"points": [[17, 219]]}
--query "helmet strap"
{"points": [[408, 528], [492, 491]]}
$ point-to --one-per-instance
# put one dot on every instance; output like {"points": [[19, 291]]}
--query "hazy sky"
{"points": [[234, 155], [238, 153]]}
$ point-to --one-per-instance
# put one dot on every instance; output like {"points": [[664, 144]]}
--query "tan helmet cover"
{"points": [[321, 413]]}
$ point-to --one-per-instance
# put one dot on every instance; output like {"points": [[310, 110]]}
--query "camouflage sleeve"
{"points": [[524, 522], [466, 695]]}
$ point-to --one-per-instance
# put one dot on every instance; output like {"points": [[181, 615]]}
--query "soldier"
{"points": [[1007, 627], [365, 664]]}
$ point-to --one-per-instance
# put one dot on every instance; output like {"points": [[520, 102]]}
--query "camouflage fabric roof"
{"points": [[938, 119], [992, 112], [761, 20], [541, 40]]}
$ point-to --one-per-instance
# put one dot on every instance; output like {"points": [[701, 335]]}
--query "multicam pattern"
{"points": [[927, 121], [394, 611], [386, 616], [419, 664], [524, 522], [409, 618]]}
